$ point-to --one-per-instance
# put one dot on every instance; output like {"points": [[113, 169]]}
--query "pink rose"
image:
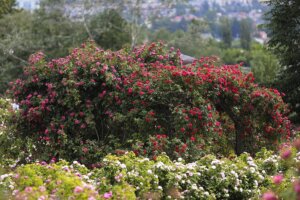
{"points": [[286, 154], [297, 187], [269, 196], [78, 189], [108, 195], [277, 179], [28, 189]]}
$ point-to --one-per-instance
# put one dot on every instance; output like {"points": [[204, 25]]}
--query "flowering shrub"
{"points": [[94, 101], [286, 183], [53, 181], [132, 177], [11, 144], [4, 114]]}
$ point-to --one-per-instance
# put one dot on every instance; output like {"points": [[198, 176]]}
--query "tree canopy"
{"points": [[283, 22], [7, 6]]}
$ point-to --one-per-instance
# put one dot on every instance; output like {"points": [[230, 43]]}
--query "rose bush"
{"points": [[94, 101]]}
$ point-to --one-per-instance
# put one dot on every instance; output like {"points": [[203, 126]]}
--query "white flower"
{"points": [[2, 177], [15, 106], [178, 177], [206, 193], [255, 183], [215, 162], [223, 175], [123, 166], [194, 187], [159, 187], [75, 162], [252, 169], [149, 171]]}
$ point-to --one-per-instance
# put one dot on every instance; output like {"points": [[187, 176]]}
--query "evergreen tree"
{"points": [[283, 22], [245, 33], [226, 32]]}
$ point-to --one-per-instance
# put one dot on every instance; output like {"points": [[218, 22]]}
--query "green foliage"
{"points": [[191, 42], [264, 65], [24, 33], [16, 44], [7, 6], [226, 32], [9, 142], [283, 24], [110, 30], [245, 33], [235, 55]]}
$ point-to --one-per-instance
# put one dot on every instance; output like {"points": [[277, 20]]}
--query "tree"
{"points": [[16, 44], [23, 33], [7, 6], [56, 34], [235, 28], [226, 32], [110, 30], [264, 65], [283, 24], [245, 33]]}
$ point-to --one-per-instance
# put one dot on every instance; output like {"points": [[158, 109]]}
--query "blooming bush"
{"points": [[4, 114], [10, 143], [94, 101], [53, 181], [286, 183], [131, 177]]}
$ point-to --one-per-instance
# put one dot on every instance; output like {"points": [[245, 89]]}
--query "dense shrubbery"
{"points": [[94, 101], [131, 177]]}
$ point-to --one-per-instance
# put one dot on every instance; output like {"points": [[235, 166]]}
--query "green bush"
{"points": [[13, 148]]}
